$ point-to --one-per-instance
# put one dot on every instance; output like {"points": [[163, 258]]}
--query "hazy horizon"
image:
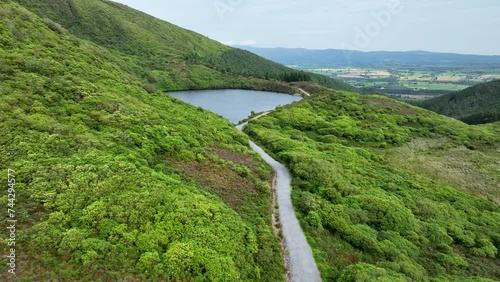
{"points": [[311, 49], [445, 26]]}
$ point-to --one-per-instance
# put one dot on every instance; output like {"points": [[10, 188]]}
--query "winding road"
{"points": [[299, 257]]}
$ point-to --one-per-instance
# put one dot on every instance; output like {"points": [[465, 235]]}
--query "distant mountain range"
{"points": [[347, 58]]}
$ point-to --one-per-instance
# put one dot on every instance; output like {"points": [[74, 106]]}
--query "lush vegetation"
{"points": [[368, 217], [475, 105], [105, 165], [117, 181]]}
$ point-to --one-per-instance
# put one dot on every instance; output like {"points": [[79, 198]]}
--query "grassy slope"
{"points": [[165, 55], [475, 105], [375, 187], [101, 168]]}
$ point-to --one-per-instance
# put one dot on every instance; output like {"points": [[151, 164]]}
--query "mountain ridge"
{"points": [[345, 58]]}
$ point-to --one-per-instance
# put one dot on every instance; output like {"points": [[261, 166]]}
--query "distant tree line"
{"points": [[475, 105]]}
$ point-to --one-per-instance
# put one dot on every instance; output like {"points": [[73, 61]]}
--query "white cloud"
{"points": [[238, 43]]}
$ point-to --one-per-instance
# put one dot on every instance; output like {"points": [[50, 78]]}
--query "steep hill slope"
{"points": [[475, 105], [115, 183], [165, 55], [387, 191]]}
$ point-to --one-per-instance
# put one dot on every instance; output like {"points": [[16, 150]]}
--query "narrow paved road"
{"points": [[303, 91], [300, 260]]}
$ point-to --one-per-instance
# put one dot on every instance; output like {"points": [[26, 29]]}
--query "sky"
{"points": [[456, 26]]}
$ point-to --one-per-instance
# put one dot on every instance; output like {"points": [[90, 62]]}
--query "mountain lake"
{"points": [[235, 104]]}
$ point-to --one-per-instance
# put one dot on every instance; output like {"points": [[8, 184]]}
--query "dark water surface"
{"points": [[235, 105]]}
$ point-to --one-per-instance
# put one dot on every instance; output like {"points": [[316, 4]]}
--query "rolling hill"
{"points": [[475, 105]]}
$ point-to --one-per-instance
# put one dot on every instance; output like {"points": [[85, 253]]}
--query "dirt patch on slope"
{"points": [[403, 109]]}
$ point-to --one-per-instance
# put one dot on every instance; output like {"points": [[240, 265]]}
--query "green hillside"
{"points": [[169, 57], [112, 182], [475, 105], [387, 191]]}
